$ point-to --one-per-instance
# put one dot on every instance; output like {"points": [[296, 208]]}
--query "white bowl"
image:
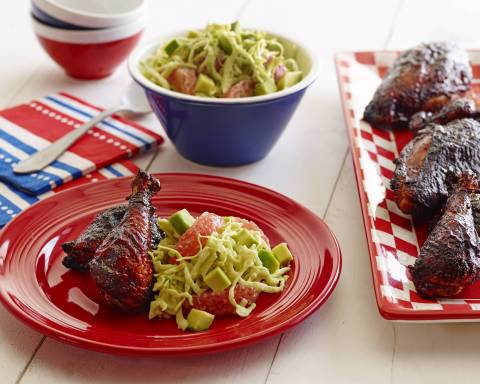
{"points": [[93, 13], [88, 36], [304, 56]]}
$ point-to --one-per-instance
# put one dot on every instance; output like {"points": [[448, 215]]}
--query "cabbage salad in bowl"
{"points": [[222, 61], [213, 266]]}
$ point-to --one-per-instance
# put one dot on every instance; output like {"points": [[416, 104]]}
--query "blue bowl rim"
{"points": [[139, 52], [88, 19], [47, 19]]}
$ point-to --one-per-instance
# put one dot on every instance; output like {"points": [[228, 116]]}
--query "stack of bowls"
{"points": [[88, 39]]}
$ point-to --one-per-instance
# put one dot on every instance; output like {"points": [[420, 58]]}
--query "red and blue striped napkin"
{"points": [[12, 201], [26, 128]]}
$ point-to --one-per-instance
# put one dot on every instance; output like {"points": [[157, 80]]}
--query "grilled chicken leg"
{"points": [[121, 266], [449, 258], [420, 177], [421, 79], [81, 251]]}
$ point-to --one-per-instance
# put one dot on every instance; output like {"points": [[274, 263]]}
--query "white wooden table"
{"points": [[346, 341]]}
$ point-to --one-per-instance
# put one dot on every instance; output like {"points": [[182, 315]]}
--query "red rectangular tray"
{"points": [[393, 240]]}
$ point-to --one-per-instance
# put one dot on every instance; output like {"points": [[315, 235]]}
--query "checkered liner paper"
{"points": [[393, 240]]}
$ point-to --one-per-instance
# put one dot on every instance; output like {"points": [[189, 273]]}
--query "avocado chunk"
{"points": [[181, 221], [225, 45], [268, 260], [235, 26], [192, 34], [289, 79], [205, 85], [244, 237], [217, 280], [171, 47], [199, 320], [282, 253], [265, 87]]}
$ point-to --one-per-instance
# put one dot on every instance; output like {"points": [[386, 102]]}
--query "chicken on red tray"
{"points": [[425, 90], [449, 259], [423, 78], [420, 179]]}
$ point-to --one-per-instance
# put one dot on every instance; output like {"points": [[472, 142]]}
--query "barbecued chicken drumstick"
{"points": [[419, 181], [81, 251], [449, 258], [121, 267], [421, 79]]}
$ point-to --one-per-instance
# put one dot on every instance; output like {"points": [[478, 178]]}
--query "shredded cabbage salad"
{"points": [[179, 278], [222, 60]]}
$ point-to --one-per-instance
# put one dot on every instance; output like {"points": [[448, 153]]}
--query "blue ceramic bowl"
{"points": [[225, 132]]}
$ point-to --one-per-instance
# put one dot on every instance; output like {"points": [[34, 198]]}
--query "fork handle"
{"points": [[47, 155]]}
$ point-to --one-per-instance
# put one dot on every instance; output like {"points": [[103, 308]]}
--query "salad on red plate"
{"points": [[213, 266], [181, 266]]}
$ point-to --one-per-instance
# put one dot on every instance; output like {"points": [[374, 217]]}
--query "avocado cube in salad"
{"points": [[217, 280], [225, 45], [282, 253], [181, 221], [171, 47], [265, 87], [235, 26], [205, 85], [199, 320], [268, 260], [244, 237], [289, 79]]}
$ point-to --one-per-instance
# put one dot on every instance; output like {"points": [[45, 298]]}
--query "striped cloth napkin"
{"points": [[26, 128], [12, 201]]}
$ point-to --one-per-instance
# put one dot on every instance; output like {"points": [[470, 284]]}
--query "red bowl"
{"points": [[89, 61], [88, 54]]}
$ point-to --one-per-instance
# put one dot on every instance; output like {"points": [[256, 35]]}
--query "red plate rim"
{"points": [[85, 342]]}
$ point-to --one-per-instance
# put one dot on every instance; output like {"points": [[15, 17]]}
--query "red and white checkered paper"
{"points": [[392, 238]]}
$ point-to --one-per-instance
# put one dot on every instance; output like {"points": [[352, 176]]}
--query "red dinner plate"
{"points": [[58, 302]]}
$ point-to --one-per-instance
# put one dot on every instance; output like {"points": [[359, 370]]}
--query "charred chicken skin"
{"points": [[121, 267], [456, 109], [81, 251], [475, 199], [420, 177], [449, 258], [422, 79]]}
